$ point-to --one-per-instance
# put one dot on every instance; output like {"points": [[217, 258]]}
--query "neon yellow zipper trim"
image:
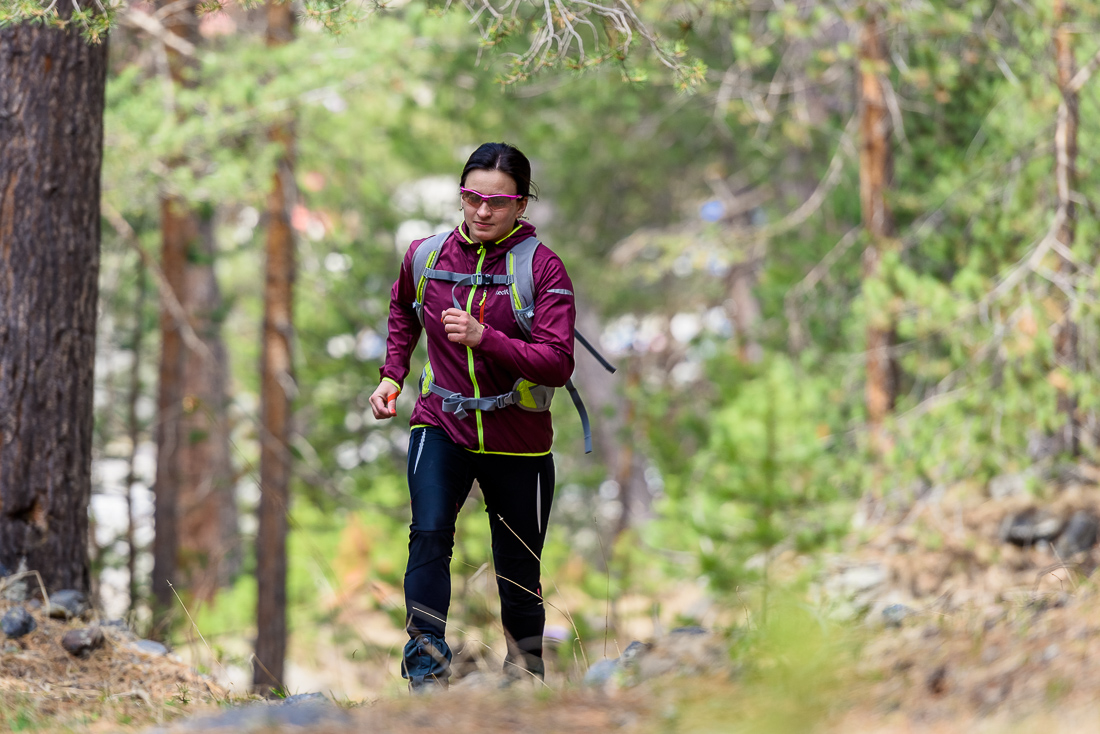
{"points": [[424, 278], [506, 453], [467, 237], [470, 353]]}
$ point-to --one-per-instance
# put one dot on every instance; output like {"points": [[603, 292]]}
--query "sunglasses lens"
{"points": [[474, 199]]}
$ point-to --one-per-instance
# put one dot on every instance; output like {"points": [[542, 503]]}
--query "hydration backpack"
{"points": [[520, 282]]}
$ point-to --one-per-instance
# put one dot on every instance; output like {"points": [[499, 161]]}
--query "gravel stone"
{"points": [[633, 650], [693, 630], [601, 672], [1030, 526], [80, 643], [1080, 534], [17, 622], [895, 614], [67, 604], [149, 647], [301, 698]]}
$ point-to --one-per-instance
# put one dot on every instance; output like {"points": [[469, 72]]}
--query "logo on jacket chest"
{"points": [[502, 292]]}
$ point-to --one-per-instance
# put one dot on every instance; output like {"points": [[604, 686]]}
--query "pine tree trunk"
{"points": [[208, 547], [875, 169], [195, 546], [177, 232], [277, 391], [745, 309], [51, 147], [1065, 173]]}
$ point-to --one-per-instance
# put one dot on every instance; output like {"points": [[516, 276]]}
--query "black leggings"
{"points": [[518, 492]]}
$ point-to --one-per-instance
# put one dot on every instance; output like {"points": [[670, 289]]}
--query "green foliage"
{"points": [[755, 458], [766, 475], [796, 665], [92, 18]]}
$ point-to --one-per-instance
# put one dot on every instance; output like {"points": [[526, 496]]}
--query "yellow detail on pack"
{"points": [[426, 379], [526, 400], [512, 272]]}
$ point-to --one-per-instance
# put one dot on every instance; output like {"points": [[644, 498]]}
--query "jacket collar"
{"points": [[522, 231]]}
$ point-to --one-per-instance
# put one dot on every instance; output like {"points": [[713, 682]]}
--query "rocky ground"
{"points": [[981, 608], [960, 609], [62, 669]]}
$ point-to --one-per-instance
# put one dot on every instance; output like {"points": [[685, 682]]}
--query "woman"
{"points": [[476, 349]]}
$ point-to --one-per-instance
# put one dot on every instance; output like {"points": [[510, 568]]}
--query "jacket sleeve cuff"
{"points": [[393, 382], [491, 340]]}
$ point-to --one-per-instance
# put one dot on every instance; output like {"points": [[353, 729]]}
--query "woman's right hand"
{"points": [[383, 401]]}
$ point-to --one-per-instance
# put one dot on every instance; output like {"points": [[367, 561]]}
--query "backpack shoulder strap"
{"points": [[520, 270], [427, 252], [521, 273]]}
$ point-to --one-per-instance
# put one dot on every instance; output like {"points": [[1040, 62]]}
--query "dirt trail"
{"points": [[990, 637]]}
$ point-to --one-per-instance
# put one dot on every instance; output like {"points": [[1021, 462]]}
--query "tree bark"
{"points": [[745, 308], [1065, 174], [208, 546], [52, 87], [195, 547], [277, 392], [875, 171], [177, 231]]}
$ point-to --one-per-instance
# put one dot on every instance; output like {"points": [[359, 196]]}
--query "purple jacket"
{"points": [[500, 358]]}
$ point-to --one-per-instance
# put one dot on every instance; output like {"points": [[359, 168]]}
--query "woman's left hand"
{"points": [[461, 327]]}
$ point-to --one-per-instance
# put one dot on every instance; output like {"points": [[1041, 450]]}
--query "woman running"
{"points": [[475, 417]]}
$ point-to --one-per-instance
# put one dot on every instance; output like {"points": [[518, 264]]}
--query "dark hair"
{"points": [[506, 159]]}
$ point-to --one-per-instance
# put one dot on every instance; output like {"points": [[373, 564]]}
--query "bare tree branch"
{"points": [[813, 203], [153, 26], [795, 336], [1084, 74], [167, 297], [558, 34]]}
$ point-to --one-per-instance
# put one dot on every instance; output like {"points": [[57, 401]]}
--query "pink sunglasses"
{"points": [[496, 201]]}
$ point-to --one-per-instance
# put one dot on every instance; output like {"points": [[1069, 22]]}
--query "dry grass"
{"points": [[44, 688]]}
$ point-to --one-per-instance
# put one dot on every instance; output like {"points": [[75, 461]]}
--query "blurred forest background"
{"points": [[841, 252]]}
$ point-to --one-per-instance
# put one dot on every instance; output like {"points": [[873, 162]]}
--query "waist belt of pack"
{"points": [[459, 404]]}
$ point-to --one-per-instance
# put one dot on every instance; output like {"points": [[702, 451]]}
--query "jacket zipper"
{"points": [[470, 353]]}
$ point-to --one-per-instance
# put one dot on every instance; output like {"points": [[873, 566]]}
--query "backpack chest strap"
{"points": [[475, 280]]}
